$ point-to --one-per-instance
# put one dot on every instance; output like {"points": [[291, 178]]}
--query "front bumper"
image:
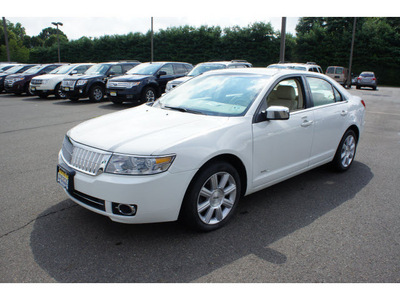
{"points": [[129, 95], [157, 198], [75, 91], [16, 87], [39, 90]]}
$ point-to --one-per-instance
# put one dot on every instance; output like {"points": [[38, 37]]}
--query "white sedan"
{"points": [[196, 151]]}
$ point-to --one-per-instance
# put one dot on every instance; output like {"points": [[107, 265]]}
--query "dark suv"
{"points": [[92, 84], [17, 69], [146, 82], [19, 83]]}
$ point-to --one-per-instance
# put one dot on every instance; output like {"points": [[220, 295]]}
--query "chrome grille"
{"points": [[118, 84], [36, 81], [82, 158]]}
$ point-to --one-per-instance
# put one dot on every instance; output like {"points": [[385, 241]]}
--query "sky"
{"points": [[93, 18]]}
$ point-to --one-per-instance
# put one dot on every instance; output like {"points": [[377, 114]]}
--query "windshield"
{"points": [[13, 69], [62, 70], [34, 70], [217, 95], [144, 69], [100, 69], [277, 66], [200, 69]]}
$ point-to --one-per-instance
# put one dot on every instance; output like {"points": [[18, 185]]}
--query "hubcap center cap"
{"points": [[216, 198]]}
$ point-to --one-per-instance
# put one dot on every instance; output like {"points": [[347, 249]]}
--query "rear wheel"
{"points": [[346, 151], [212, 197]]}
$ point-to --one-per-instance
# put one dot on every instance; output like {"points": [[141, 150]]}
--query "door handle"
{"points": [[343, 113], [306, 123]]}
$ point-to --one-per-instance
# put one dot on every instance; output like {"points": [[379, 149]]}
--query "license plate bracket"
{"points": [[65, 178]]}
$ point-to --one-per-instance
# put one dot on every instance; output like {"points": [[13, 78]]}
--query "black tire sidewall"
{"points": [[91, 93]]}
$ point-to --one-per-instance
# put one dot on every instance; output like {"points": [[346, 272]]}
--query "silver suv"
{"points": [[207, 66], [367, 79]]}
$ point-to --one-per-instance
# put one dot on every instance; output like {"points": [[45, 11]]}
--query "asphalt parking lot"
{"points": [[320, 226]]}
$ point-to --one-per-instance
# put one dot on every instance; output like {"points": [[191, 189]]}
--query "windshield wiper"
{"points": [[182, 109]]}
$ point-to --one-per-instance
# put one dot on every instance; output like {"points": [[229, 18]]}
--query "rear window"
{"points": [[367, 74], [330, 70], [339, 71]]}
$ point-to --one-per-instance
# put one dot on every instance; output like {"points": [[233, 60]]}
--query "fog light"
{"points": [[124, 209]]}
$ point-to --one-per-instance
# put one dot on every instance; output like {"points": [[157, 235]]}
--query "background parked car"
{"points": [[13, 70], [45, 85], [309, 66], [5, 67], [340, 74], [207, 66], [367, 79], [93, 82], [19, 83], [146, 82]]}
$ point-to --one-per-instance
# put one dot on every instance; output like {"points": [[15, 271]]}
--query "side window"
{"points": [[127, 67], [179, 69], [287, 93], [168, 69], [82, 69], [116, 69], [50, 68], [338, 96], [330, 70], [322, 92]]}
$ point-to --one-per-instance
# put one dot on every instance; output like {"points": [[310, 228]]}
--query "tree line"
{"points": [[324, 40]]}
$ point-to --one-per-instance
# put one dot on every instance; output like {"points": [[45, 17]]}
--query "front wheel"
{"points": [[346, 152], [96, 93], [212, 197], [149, 95]]}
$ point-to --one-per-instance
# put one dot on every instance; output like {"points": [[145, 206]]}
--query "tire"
{"points": [[96, 93], [149, 95], [58, 93], [28, 90], [345, 152], [212, 197], [358, 87]]}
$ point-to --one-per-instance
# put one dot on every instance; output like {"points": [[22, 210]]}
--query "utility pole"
{"points": [[351, 52], [58, 39], [283, 38], [152, 46], [6, 38]]}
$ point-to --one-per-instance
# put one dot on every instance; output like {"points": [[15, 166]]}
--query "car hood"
{"points": [[79, 77], [51, 76], [19, 75], [133, 77], [144, 130]]}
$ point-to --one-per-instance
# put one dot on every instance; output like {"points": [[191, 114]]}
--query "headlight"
{"points": [[138, 165], [81, 82], [132, 84]]}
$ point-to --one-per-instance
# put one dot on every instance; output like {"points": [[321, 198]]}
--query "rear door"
{"points": [[330, 119]]}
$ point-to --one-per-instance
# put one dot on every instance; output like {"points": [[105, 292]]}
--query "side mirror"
{"points": [[277, 113], [74, 72], [111, 74], [162, 73]]}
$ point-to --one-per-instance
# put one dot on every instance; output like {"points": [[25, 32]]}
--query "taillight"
{"points": [[374, 78], [358, 78], [363, 103]]}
